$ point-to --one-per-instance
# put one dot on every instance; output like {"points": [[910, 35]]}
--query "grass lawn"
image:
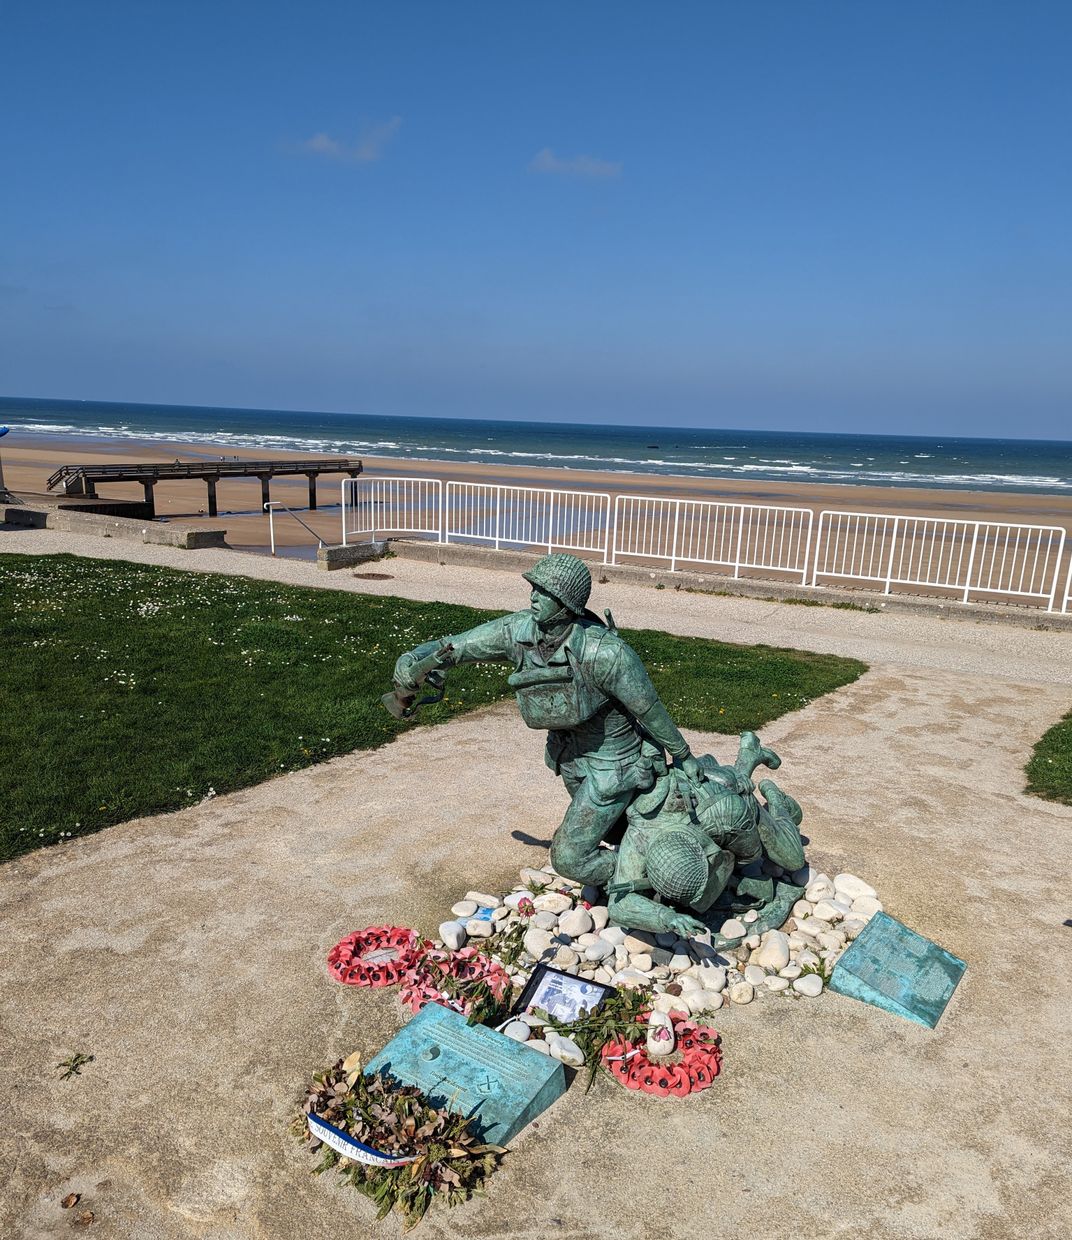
{"points": [[132, 690], [1049, 773]]}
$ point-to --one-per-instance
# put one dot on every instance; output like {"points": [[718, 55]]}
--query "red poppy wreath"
{"points": [[376, 956], [693, 1067]]}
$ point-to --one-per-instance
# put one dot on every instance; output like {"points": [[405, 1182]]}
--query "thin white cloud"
{"points": [[587, 166], [366, 149]]}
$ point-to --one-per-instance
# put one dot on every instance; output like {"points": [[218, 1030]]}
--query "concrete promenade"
{"points": [[186, 953]]}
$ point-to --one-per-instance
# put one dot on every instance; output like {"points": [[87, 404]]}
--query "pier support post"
{"points": [[265, 493], [312, 492], [211, 484], [147, 487]]}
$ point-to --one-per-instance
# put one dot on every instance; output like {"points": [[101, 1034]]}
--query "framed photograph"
{"points": [[561, 995]]}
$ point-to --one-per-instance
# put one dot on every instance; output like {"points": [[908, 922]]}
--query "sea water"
{"points": [[783, 456]]}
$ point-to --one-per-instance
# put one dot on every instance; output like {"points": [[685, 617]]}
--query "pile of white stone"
{"points": [[683, 974]]}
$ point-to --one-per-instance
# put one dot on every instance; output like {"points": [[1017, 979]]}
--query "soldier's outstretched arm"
{"points": [[486, 643]]}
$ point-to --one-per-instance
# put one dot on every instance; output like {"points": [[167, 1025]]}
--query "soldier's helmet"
{"points": [[564, 577], [678, 866]]}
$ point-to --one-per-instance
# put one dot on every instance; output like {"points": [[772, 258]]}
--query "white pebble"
{"points": [[754, 975], [518, 1030], [810, 985], [464, 908], [483, 900], [772, 952], [733, 929], [750, 917], [479, 929], [670, 1003], [742, 992], [850, 888], [600, 915], [613, 934], [453, 935], [776, 983], [552, 902], [576, 922], [868, 906]]}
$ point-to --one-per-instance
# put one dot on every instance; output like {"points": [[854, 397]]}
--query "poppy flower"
{"points": [[682, 1082]]}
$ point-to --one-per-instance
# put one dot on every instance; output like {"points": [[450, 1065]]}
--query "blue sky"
{"points": [[825, 216]]}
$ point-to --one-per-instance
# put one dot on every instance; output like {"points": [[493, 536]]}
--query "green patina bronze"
{"points": [[693, 836]]}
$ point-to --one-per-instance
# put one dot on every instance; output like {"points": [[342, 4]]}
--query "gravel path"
{"points": [[939, 642]]}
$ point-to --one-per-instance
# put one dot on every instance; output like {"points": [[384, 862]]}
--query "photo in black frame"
{"points": [[561, 995]]}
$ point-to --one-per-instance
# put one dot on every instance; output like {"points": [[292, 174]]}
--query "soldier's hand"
{"points": [[685, 926], [690, 768], [402, 677]]}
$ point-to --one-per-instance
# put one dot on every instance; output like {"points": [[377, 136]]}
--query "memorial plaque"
{"points": [[898, 970], [472, 1070]]}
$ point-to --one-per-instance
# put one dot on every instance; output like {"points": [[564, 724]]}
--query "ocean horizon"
{"points": [[938, 462]]}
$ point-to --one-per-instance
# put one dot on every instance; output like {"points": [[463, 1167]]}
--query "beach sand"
{"points": [[30, 458]]}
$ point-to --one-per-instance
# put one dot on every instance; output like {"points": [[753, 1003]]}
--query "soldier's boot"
{"points": [[780, 804], [752, 753]]}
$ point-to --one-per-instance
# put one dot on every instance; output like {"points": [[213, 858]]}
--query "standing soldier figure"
{"points": [[607, 730]]}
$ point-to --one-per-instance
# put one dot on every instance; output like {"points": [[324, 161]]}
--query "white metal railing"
{"points": [[372, 506], [270, 508], [705, 532], [968, 557], [528, 517]]}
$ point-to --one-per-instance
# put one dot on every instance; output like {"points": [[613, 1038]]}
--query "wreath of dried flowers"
{"points": [[375, 956], [449, 1161]]}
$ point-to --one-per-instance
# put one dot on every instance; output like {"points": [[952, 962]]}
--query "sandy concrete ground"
{"points": [[187, 953]]}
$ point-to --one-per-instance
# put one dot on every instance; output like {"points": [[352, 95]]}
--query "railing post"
{"points": [[740, 539], [614, 543], [673, 543], [807, 548], [971, 564], [271, 524], [815, 550], [498, 516], [551, 523], [611, 531], [342, 506], [893, 548], [441, 515]]}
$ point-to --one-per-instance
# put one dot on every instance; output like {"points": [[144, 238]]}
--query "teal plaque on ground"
{"points": [[898, 970], [472, 1070]]}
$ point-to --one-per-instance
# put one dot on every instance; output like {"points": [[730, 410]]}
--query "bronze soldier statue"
{"points": [[608, 734]]}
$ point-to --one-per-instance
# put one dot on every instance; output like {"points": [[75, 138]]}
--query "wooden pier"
{"points": [[84, 479]]}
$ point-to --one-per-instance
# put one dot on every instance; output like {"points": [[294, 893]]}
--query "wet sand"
{"points": [[30, 458]]}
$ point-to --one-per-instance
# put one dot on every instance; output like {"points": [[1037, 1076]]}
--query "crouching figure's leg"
{"points": [[575, 851]]}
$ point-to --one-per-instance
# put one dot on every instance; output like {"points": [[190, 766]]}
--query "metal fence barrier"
{"points": [[704, 532], [372, 506], [528, 517], [968, 557]]}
